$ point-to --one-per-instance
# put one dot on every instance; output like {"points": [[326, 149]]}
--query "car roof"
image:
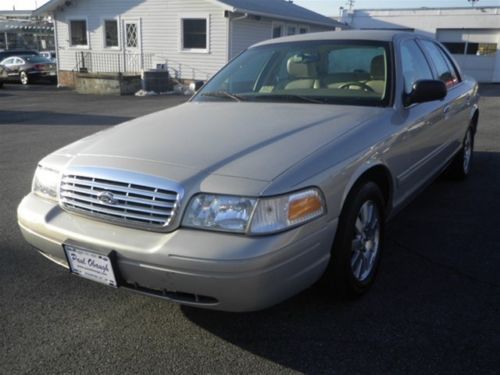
{"points": [[372, 35]]}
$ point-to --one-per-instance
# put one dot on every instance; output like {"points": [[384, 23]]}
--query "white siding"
{"points": [[160, 32], [246, 32]]}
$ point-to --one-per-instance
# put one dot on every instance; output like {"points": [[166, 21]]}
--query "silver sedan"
{"points": [[283, 169]]}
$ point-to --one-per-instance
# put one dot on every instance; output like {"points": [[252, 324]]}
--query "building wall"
{"points": [[448, 25], [246, 32], [160, 27]]}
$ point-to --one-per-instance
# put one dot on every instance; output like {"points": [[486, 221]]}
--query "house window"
{"points": [[291, 30], [455, 48], [303, 30], [78, 32], [480, 49], [194, 34], [111, 33], [277, 30]]}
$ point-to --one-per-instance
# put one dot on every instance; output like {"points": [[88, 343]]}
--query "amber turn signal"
{"points": [[304, 207]]}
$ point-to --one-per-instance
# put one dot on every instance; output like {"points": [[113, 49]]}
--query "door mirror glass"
{"points": [[426, 91]]}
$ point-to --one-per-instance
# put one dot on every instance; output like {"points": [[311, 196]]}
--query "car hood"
{"points": [[250, 140]]}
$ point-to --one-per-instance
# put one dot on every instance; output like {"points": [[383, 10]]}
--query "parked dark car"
{"points": [[16, 52], [28, 68]]}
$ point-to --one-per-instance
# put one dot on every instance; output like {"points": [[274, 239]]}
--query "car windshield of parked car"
{"points": [[323, 72], [36, 59]]}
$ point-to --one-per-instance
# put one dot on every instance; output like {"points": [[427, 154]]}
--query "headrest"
{"points": [[378, 67], [303, 66]]}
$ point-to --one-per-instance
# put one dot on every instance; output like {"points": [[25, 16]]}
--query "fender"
{"points": [[362, 170]]}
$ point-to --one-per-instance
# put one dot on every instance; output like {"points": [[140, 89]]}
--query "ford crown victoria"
{"points": [[281, 170]]}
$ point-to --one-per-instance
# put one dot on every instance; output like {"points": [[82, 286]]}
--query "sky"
{"points": [[326, 7]]}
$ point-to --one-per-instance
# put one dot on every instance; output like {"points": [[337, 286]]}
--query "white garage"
{"points": [[472, 35], [476, 50]]}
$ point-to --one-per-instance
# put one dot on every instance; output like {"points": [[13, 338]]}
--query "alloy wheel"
{"points": [[366, 241], [24, 78]]}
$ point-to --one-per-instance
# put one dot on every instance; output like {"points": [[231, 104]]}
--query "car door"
{"points": [[457, 101], [415, 147], [10, 66]]}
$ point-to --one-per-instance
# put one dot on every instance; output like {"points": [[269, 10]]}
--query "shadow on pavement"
{"points": [[55, 118]]}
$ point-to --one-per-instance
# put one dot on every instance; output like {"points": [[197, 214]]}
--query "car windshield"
{"points": [[322, 72], [36, 59]]}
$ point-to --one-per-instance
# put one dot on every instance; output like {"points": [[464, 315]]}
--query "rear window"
{"points": [[36, 59]]}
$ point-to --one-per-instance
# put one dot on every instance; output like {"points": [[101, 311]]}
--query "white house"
{"points": [[471, 34], [193, 38]]}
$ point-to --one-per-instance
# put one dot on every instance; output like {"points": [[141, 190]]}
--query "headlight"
{"points": [[277, 214], [46, 182], [252, 215]]}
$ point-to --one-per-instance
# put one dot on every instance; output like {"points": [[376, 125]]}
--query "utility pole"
{"points": [[350, 4]]}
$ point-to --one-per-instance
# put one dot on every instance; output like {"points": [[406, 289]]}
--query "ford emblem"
{"points": [[107, 197]]}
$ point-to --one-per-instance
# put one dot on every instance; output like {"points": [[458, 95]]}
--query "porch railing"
{"points": [[113, 62], [134, 63]]}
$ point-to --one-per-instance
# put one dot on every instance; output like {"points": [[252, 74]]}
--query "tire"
{"points": [[358, 244], [1, 84], [460, 167], [25, 79]]}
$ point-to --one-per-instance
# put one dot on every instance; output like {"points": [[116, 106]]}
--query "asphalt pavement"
{"points": [[434, 309]]}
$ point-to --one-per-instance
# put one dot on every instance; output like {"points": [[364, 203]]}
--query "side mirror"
{"points": [[426, 91], [196, 85]]}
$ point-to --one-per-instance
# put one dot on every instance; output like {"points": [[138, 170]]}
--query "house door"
{"points": [[134, 61]]}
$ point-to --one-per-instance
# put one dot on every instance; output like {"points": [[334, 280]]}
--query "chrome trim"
{"points": [[139, 201]]}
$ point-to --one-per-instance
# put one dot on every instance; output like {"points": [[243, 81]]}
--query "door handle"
{"points": [[446, 109]]}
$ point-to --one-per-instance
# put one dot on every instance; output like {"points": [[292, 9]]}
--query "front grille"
{"points": [[124, 203]]}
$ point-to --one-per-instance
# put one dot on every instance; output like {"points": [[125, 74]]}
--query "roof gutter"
{"points": [[300, 20]]}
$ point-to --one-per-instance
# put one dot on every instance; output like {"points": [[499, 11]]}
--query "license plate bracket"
{"points": [[91, 265]]}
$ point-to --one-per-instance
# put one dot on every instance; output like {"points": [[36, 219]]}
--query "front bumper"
{"points": [[198, 268]]}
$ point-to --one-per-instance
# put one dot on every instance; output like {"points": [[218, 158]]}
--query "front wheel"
{"points": [[23, 76], [358, 244], [460, 168]]}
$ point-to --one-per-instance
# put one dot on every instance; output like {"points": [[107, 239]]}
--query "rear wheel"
{"points": [[359, 241], [23, 76], [461, 166]]}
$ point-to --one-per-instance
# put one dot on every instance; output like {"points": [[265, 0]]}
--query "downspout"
{"points": [[56, 36]]}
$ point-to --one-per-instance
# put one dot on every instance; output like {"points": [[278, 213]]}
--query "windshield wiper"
{"points": [[224, 94], [302, 98]]}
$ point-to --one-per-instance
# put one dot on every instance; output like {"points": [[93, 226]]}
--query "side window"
{"points": [[444, 68], [8, 61], [415, 66]]}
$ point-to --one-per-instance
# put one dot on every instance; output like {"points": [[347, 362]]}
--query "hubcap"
{"points": [[467, 151], [24, 78], [366, 241]]}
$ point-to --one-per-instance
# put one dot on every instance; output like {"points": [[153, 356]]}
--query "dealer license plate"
{"points": [[92, 266]]}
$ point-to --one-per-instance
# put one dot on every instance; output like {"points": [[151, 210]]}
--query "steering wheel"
{"points": [[361, 85]]}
